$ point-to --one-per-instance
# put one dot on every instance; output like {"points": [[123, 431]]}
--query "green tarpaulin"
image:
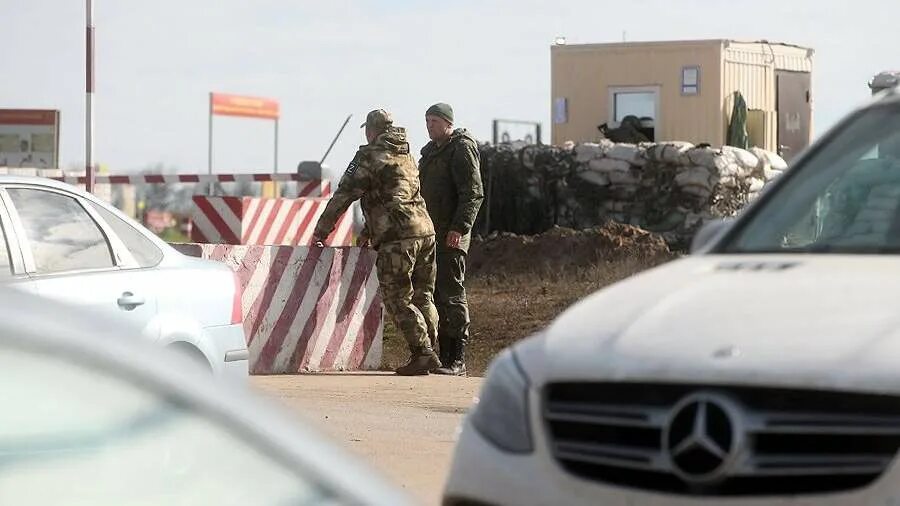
{"points": [[737, 129]]}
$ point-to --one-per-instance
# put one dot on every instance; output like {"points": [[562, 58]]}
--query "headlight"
{"points": [[501, 414]]}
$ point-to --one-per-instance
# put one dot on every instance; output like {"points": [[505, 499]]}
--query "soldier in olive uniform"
{"points": [[383, 174], [451, 185]]}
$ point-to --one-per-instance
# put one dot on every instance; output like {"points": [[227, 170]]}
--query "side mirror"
{"points": [[709, 231]]}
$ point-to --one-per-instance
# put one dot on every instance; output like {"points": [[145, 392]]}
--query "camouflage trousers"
{"points": [[406, 273]]}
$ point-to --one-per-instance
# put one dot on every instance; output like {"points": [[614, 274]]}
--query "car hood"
{"points": [[796, 320]]}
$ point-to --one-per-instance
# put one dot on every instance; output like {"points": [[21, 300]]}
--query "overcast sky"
{"points": [[158, 60]]}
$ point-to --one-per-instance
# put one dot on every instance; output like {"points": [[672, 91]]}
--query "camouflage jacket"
{"points": [[384, 175], [451, 185]]}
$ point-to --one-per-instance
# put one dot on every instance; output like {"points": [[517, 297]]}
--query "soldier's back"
{"points": [[394, 207]]}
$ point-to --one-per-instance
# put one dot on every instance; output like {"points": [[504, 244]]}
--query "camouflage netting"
{"points": [[669, 188]]}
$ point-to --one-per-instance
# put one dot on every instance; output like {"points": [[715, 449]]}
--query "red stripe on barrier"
{"points": [[248, 230], [367, 335], [270, 221], [286, 226], [307, 221], [345, 313], [236, 204], [225, 232], [245, 272], [276, 339], [307, 190], [262, 303], [197, 235], [218, 253], [313, 327]]}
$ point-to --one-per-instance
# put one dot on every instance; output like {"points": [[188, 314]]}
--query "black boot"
{"points": [[456, 365], [420, 363], [445, 350]]}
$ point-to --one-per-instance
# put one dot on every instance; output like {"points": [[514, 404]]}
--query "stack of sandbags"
{"points": [[770, 165], [670, 188], [673, 187]]}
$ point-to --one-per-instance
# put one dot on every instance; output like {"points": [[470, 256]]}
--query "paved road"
{"points": [[403, 426]]}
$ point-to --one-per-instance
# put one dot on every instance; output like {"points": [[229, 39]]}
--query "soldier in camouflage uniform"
{"points": [[383, 174], [451, 185]]}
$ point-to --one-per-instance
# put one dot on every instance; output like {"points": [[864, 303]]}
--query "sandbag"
{"points": [[769, 159], [607, 165], [627, 153], [586, 152], [699, 156], [594, 177], [748, 160], [668, 152], [756, 185]]}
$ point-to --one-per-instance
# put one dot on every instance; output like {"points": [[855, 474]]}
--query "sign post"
{"points": [[221, 104]]}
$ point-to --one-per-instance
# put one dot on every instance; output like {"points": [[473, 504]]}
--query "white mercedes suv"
{"points": [[762, 369]]}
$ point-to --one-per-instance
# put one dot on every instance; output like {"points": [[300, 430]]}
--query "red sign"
{"points": [[28, 117], [247, 107]]}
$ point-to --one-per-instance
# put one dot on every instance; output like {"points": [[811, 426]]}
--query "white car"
{"points": [[68, 246], [91, 419], [762, 370]]}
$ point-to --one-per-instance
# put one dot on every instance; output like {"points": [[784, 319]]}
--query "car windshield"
{"points": [[843, 199], [98, 439]]}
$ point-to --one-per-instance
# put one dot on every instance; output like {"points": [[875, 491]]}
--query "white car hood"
{"points": [[795, 321]]}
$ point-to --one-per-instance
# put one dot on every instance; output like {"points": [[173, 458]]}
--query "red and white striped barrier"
{"points": [[305, 309], [250, 220], [309, 188]]}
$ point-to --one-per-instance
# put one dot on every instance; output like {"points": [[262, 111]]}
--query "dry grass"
{"points": [[507, 308]]}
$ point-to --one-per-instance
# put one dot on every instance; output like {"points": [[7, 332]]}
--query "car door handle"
{"points": [[129, 301]]}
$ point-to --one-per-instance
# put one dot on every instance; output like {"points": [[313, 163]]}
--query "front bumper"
{"points": [[483, 474]]}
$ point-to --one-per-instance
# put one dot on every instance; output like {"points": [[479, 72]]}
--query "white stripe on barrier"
{"points": [[224, 210], [328, 326]]}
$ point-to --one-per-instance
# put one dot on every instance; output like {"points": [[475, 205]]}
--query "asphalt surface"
{"points": [[405, 427]]}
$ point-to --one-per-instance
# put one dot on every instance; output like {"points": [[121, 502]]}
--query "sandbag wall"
{"points": [[668, 188]]}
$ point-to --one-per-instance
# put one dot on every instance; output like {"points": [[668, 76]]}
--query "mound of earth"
{"points": [[562, 249]]}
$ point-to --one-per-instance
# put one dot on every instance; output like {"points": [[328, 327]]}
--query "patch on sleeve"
{"points": [[351, 169]]}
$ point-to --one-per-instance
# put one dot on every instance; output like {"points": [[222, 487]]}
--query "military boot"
{"points": [[456, 366], [445, 349], [420, 363]]}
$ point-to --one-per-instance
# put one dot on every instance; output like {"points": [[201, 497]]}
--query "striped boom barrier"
{"points": [[258, 221], [305, 309], [308, 188]]}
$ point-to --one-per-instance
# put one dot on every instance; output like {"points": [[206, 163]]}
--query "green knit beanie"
{"points": [[441, 110]]}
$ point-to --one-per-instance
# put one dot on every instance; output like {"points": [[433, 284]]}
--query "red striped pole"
{"points": [[89, 97]]}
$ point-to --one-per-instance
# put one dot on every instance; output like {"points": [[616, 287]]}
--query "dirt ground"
{"points": [[403, 427], [517, 285], [406, 427]]}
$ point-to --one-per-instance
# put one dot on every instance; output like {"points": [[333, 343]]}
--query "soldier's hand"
{"points": [[318, 242], [453, 239], [362, 241]]}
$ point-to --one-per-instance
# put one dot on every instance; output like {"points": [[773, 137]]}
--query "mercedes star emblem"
{"points": [[703, 438]]}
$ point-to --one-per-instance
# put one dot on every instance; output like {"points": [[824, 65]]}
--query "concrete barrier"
{"points": [[305, 309], [264, 221]]}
